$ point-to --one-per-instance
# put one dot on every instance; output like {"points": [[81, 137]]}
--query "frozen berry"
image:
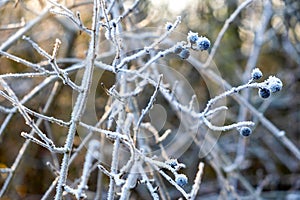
{"points": [[274, 84], [264, 93], [169, 26], [256, 74], [173, 163], [202, 43], [245, 131], [192, 37], [184, 54], [181, 179]]}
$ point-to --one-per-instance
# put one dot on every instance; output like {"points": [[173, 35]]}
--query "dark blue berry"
{"points": [[173, 163], [256, 74], [192, 37], [203, 43], [169, 26], [181, 179], [275, 88], [245, 131], [184, 54], [274, 84], [264, 93]]}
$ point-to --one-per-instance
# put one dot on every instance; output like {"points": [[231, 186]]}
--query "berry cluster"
{"points": [[194, 42], [271, 85], [180, 179], [198, 43]]}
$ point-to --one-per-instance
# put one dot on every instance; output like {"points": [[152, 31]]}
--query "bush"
{"points": [[95, 104]]}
